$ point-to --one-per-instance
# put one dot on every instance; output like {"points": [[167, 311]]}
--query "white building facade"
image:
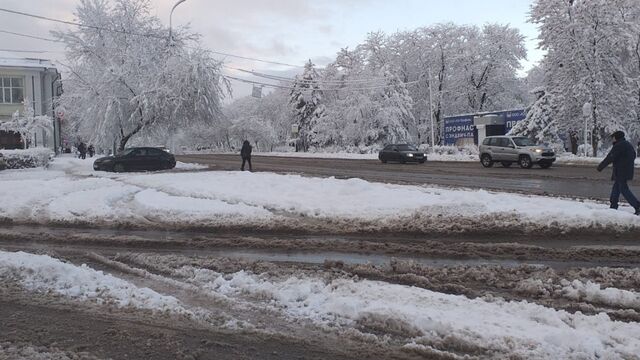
{"points": [[38, 82]]}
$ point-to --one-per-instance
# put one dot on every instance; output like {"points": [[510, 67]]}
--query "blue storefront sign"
{"points": [[461, 126], [512, 117], [458, 127]]}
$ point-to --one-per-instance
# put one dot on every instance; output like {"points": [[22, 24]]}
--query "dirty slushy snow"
{"points": [[485, 326]]}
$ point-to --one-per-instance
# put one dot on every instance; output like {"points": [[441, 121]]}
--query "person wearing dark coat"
{"points": [[245, 152], [82, 149], [622, 156]]}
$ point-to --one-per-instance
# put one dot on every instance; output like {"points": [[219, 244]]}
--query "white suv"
{"points": [[509, 149]]}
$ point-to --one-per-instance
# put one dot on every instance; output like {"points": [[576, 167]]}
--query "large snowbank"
{"points": [[488, 327], [71, 192], [45, 274]]}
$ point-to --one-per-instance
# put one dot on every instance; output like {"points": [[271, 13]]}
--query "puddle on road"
{"points": [[319, 257]]}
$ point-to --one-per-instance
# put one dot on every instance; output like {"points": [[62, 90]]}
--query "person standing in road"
{"points": [[91, 150], [82, 149], [245, 152], [623, 157]]}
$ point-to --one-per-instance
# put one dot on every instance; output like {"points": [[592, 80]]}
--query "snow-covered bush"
{"points": [[29, 158]]}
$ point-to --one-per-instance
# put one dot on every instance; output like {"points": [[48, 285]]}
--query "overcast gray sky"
{"points": [[288, 31]]}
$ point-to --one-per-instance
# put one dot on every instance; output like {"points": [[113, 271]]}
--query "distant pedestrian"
{"points": [[623, 157], [638, 150], [82, 149], [91, 150], [245, 152]]}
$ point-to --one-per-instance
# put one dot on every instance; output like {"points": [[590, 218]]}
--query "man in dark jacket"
{"points": [[245, 152], [82, 149], [623, 157]]}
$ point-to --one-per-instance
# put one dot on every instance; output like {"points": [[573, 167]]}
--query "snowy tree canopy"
{"points": [[541, 122], [592, 58], [378, 92], [133, 82]]}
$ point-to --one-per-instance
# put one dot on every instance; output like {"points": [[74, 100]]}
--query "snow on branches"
{"points": [[27, 123], [134, 82]]}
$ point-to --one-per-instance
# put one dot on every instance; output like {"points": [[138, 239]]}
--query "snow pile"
{"points": [[46, 274], [29, 158], [593, 293], [493, 328], [71, 192]]}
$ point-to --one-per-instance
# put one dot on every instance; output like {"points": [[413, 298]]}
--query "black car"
{"points": [[401, 153], [137, 159]]}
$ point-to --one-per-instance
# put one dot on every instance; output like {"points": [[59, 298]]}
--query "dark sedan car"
{"points": [[401, 153], [137, 159]]}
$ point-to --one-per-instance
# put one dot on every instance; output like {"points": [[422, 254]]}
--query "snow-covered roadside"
{"points": [[45, 274], [71, 192], [492, 327]]}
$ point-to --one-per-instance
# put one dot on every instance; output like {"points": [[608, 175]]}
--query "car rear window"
{"points": [[407, 148]]}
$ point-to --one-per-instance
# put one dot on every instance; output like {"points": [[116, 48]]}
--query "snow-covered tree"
{"points": [[132, 81], [588, 47], [27, 124], [306, 100], [541, 122]]}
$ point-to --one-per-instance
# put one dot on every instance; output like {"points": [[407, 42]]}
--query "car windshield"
{"points": [[523, 141], [126, 152], [407, 148]]}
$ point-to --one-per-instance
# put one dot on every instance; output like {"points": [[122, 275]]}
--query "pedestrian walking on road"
{"points": [[245, 152], [623, 157], [91, 150], [82, 149]]}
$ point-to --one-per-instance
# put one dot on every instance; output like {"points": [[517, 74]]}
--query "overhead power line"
{"points": [[247, 81], [30, 51], [29, 36], [299, 80], [22, 13], [78, 24]]}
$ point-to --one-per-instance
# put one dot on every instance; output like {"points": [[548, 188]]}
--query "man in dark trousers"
{"points": [[82, 149], [245, 152], [623, 157]]}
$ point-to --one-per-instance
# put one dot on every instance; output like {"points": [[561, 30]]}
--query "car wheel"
{"points": [[506, 164], [525, 162], [486, 161], [119, 168], [545, 165]]}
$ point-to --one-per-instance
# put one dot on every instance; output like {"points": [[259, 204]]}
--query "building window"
{"points": [[11, 90]]}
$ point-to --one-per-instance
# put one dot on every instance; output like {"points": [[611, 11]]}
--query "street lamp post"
{"points": [[171, 19]]}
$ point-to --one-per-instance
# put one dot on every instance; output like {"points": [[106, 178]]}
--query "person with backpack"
{"points": [[245, 152]]}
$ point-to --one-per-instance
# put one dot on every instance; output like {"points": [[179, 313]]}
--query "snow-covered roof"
{"points": [[26, 63]]}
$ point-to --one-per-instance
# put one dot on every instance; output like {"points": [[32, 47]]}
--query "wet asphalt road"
{"points": [[559, 180]]}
